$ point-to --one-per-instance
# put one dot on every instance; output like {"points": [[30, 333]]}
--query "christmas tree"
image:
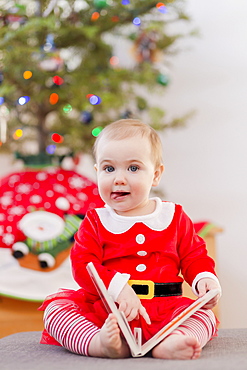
{"points": [[61, 80]]}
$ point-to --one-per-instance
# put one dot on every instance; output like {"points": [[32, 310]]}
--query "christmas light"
{"points": [[23, 100], [95, 16], [94, 100], [96, 131], [67, 108], [137, 21], [51, 149], [1, 100], [100, 4], [57, 138], [162, 79], [161, 8], [27, 75], [114, 60], [58, 80], [125, 2], [115, 18], [19, 132], [54, 98]]}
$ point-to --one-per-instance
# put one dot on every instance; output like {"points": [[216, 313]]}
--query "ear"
{"points": [[157, 174]]}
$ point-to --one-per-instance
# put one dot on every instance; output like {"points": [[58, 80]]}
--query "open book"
{"points": [[135, 340]]}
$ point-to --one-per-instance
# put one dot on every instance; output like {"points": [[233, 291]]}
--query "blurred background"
{"points": [[179, 66]]}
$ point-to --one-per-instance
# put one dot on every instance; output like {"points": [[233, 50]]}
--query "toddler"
{"points": [[134, 241]]}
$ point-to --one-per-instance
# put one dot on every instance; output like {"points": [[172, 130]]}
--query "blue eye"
{"points": [[133, 168], [109, 168]]}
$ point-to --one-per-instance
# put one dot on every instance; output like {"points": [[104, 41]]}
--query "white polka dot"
{"points": [[76, 207], [50, 193], [140, 238], [141, 267], [60, 177], [142, 253], [62, 203]]}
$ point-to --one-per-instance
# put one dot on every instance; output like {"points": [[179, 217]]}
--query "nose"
{"points": [[120, 178]]}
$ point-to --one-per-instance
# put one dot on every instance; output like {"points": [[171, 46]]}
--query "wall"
{"points": [[205, 162]]}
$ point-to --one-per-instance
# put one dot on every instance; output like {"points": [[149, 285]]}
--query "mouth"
{"points": [[119, 194]]}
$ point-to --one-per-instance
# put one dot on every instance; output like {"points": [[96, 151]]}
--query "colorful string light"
{"points": [[94, 100], [136, 21], [114, 61], [17, 134], [96, 131], [27, 75], [95, 16], [67, 108], [58, 80], [57, 138], [51, 149], [161, 8], [115, 18], [54, 98], [23, 100]]}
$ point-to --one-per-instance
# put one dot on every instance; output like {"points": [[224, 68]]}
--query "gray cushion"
{"points": [[23, 351]]}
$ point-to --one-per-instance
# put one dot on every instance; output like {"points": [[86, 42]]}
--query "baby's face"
{"points": [[126, 174]]}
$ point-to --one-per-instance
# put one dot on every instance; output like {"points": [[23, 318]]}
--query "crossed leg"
{"points": [[77, 334]]}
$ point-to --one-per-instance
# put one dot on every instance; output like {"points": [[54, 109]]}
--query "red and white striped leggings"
{"points": [[74, 332]]}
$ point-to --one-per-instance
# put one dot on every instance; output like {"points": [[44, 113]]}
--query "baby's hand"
{"points": [[203, 286], [131, 305]]}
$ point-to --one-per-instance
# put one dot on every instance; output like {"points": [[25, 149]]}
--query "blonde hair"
{"points": [[126, 128]]}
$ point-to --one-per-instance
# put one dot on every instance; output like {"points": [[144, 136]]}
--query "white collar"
{"points": [[158, 220]]}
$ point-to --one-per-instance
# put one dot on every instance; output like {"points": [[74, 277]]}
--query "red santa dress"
{"points": [[154, 247]]}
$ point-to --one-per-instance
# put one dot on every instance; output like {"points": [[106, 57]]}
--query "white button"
{"points": [[142, 253], [140, 238], [141, 267]]}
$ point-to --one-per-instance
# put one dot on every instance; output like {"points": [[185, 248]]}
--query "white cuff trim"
{"points": [[203, 275], [117, 283]]}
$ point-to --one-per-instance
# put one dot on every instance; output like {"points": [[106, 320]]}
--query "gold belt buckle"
{"points": [[150, 285]]}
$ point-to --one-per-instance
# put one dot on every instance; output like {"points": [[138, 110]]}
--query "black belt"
{"points": [[147, 289]]}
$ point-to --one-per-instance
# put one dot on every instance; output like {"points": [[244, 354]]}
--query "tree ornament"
{"points": [[52, 63], [49, 43], [16, 15], [126, 114], [141, 103], [145, 48], [86, 117], [1, 78], [162, 79], [100, 4]]}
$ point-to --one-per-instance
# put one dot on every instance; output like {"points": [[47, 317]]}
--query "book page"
{"points": [[134, 342]]}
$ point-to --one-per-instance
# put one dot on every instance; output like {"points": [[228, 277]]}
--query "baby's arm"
{"points": [[131, 305], [203, 286]]}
